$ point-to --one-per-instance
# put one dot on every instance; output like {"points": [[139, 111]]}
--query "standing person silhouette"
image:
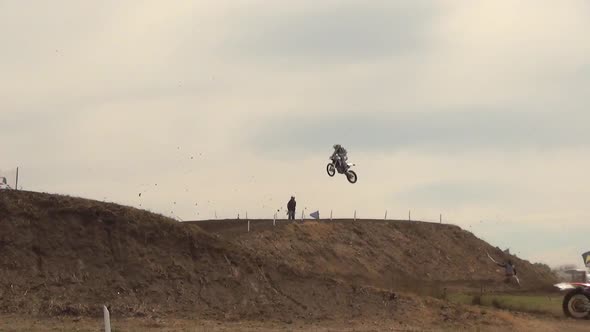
{"points": [[291, 208]]}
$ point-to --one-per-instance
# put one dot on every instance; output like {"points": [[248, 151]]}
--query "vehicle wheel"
{"points": [[351, 176], [576, 305], [331, 169]]}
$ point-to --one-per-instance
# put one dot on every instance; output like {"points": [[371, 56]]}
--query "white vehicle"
{"points": [[4, 184]]}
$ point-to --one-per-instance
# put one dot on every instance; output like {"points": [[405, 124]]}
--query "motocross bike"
{"points": [[576, 302], [342, 167]]}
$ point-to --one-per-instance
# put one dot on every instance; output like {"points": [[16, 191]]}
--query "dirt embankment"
{"points": [[68, 256], [402, 255]]}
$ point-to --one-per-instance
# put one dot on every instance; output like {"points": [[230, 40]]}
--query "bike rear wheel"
{"points": [[351, 176]]}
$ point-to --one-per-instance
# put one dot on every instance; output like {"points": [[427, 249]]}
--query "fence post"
{"points": [[248, 226], [330, 215], [441, 218], [16, 186], [302, 215], [354, 215], [409, 215], [274, 220], [385, 215], [107, 319]]}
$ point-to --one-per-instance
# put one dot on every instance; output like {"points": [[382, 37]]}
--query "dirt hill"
{"points": [[68, 256], [417, 256]]}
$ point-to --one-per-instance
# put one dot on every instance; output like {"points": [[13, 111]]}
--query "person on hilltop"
{"points": [[291, 208]]}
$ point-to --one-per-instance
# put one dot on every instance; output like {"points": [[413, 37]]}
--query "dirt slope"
{"points": [[68, 256], [402, 255], [63, 255]]}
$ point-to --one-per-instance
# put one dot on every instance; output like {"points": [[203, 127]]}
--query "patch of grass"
{"points": [[461, 298], [538, 304]]}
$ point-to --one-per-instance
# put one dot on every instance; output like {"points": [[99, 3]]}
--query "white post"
{"points": [[248, 226], [409, 215], [385, 215], [274, 220], [107, 319], [441, 218], [354, 215], [302, 215], [330, 215]]}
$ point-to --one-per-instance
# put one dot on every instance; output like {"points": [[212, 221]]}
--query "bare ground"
{"points": [[509, 322]]}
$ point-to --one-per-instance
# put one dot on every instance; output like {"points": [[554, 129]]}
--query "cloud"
{"points": [[453, 195], [335, 31], [435, 132]]}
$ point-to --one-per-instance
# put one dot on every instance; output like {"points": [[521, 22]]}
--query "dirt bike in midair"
{"points": [[342, 167]]}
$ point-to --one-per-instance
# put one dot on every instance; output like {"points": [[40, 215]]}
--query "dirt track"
{"points": [[499, 321], [66, 257]]}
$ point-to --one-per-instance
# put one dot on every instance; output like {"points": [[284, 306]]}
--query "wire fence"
{"points": [[247, 224], [332, 215]]}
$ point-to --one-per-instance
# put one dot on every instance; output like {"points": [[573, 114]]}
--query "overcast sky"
{"points": [[473, 109]]}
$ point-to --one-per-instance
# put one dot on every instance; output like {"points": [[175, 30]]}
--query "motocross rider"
{"points": [[509, 270], [339, 156]]}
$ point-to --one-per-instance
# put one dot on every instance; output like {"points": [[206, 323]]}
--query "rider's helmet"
{"points": [[337, 146]]}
